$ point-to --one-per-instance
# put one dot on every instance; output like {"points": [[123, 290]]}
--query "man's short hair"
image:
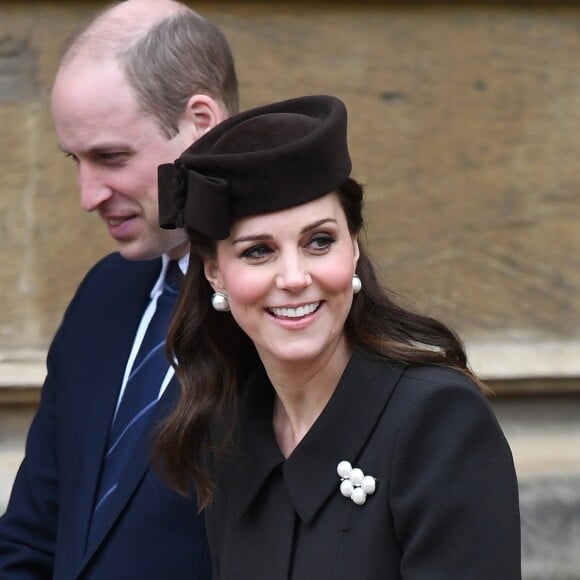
{"points": [[165, 63]]}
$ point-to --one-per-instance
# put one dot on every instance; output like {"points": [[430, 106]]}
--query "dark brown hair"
{"points": [[214, 355]]}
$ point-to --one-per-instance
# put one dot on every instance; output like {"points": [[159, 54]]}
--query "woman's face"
{"points": [[288, 277]]}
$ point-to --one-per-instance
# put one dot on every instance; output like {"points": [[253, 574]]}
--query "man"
{"points": [[135, 87]]}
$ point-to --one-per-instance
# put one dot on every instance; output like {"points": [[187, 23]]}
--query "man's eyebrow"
{"points": [[99, 149]]}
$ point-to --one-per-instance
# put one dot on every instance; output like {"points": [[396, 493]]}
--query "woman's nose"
{"points": [[293, 274]]}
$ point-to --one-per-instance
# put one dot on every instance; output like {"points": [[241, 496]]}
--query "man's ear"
{"points": [[213, 275], [201, 114]]}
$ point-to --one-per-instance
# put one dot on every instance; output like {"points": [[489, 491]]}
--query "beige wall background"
{"points": [[464, 126]]}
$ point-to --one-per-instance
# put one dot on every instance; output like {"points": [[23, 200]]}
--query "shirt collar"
{"points": [[183, 265]]}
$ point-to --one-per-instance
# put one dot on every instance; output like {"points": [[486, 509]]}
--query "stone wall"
{"points": [[464, 123]]}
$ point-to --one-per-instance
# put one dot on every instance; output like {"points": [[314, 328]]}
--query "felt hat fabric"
{"points": [[265, 159]]}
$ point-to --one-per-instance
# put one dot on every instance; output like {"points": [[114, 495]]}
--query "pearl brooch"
{"points": [[354, 484], [343, 469]]}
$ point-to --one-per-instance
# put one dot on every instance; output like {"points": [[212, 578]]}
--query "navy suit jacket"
{"points": [[151, 532]]}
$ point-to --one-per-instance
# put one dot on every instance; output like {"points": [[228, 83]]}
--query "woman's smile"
{"points": [[294, 312]]}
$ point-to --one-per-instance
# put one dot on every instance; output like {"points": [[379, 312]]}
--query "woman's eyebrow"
{"points": [[266, 237], [317, 224]]}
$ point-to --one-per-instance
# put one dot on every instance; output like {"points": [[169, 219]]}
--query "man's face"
{"points": [[116, 149]]}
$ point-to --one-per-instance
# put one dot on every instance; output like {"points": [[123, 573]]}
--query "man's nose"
{"points": [[92, 187]]}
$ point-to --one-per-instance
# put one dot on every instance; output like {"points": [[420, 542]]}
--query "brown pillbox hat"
{"points": [[261, 160]]}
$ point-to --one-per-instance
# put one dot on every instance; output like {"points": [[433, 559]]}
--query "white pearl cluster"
{"points": [[354, 483]]}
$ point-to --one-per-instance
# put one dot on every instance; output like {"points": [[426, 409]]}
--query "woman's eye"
{"points": [[256, 252], [321, 242]]}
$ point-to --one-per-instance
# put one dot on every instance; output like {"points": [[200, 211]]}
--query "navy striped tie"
{"points": [[139, 399]]}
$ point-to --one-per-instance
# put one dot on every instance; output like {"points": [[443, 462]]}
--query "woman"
{"points": [[359, 444]]}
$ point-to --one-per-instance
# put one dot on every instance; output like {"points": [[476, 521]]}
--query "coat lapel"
{"points": [[256, 452], [340, 433]]}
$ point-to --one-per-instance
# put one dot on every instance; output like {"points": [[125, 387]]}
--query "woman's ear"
{"points": [[213, 275], [201, 114], [356, 251]]}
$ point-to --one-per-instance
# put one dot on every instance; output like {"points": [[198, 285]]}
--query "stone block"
{"points": [[14, 423], [550, 510]]}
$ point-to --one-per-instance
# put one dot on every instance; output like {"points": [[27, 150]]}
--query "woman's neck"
{"points": [[302, 392]]}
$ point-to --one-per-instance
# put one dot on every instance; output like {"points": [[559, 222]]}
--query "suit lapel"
{"points": [[136, 468], [112, 348]]}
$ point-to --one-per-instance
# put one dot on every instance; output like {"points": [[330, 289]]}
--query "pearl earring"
{"points": [[219, 301], [356, 284]]}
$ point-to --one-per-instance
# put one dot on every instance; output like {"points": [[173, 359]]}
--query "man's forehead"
{"points": [[92, 97]]}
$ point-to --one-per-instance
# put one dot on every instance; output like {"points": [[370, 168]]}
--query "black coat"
{"points": [[446, 499]]}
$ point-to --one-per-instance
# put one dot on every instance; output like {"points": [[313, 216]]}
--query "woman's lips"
{"points": [[294, 312]]}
